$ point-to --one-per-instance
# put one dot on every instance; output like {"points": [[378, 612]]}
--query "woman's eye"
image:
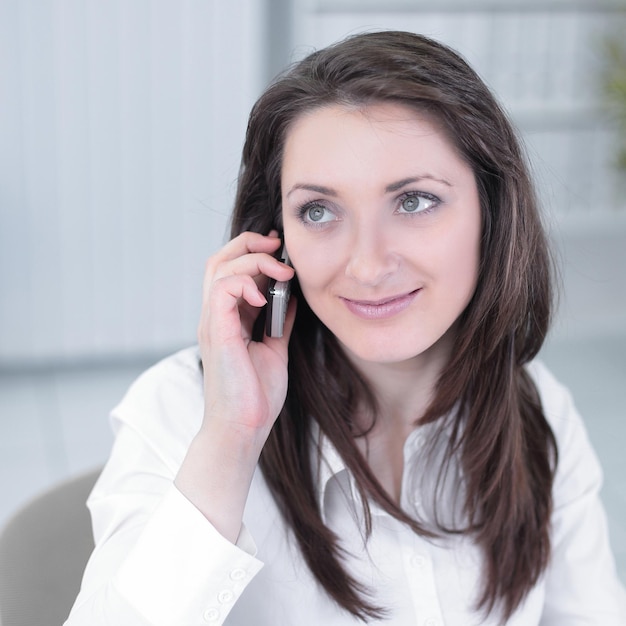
{"points": [[317, 214], [416, 204]]}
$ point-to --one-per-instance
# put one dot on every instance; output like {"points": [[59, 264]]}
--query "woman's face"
{"points": [[382, 222]]}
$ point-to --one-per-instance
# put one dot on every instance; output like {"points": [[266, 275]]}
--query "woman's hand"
{"points": [[245, 381]]}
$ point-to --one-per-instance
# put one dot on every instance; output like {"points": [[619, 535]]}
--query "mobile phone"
{"points": [[277, 300]]}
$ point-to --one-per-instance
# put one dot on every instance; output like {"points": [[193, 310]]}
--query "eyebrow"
{"points": [[415, 179], [328, 191]]}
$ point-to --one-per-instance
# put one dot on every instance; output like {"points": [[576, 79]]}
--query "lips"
{"points": [[381, 309]]}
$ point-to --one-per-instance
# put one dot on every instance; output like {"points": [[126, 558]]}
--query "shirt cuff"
{"points": [[181, 570]]}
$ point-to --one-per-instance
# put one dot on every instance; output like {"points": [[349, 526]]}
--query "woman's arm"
{"points": [[245, 382], [157, 560], [170, 545]]}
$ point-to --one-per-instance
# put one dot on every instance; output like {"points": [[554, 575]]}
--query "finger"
{"points": [[258, 266], [237, 251], [255, 264], [220, 315], [241, 245]]}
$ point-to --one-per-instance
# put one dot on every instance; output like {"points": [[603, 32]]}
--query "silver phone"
{"points": [[278, 292]]}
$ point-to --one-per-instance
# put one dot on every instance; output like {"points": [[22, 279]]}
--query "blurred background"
{"points": [[121, 124]]}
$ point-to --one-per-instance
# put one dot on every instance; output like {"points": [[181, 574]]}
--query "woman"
{"points": [[395, 456]]}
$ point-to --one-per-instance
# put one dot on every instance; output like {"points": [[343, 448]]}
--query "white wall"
{"points": [[120, 131]]}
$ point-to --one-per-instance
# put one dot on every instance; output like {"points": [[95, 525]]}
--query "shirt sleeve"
{"points": [[582, 586], [158, 561]]}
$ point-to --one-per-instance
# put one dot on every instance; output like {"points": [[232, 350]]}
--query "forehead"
{"points": [[391, 116], [331, 139]]}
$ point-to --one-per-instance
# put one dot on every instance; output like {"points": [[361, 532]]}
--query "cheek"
{"points": [[312, 260], [455, 257], [463, 262]]}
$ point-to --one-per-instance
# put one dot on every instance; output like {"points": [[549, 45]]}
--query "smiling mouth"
{"points": [[381, 309]]}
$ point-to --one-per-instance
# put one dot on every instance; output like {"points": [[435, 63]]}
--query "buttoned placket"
{"points": [[416, 551], [418, 566], [416, 558]]}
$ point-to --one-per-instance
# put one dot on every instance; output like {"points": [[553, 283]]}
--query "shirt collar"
{"points": [[328, 464]]}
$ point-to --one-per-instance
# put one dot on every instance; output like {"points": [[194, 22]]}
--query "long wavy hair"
{"points": [[496, 431]]}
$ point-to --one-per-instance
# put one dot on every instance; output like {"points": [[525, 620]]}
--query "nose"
{"points": [[371, 257]]}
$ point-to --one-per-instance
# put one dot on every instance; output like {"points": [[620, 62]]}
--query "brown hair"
{"points": [[495, 428]]}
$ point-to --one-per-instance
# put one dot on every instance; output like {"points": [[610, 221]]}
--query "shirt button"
{"points": [[225, 596], [211, 615], [238, 574], [432, 621], [419, 561]]}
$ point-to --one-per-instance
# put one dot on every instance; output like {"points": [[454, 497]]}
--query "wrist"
{"points": [[217, 472]]}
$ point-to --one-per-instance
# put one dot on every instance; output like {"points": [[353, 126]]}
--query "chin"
{"points": [[385, 352], [399, 347]]}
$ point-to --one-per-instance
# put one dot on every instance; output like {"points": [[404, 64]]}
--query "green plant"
{"points": [[615, 90]]}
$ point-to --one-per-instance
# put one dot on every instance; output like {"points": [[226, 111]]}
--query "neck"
{"points": [[403, 392], [404, 389]]}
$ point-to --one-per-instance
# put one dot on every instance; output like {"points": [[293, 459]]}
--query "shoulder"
{"points": [[556, 399], [578, 468], [555, 396], [165, 404]]}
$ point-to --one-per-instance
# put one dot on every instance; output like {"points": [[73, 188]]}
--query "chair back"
{"points": [[44, 548]]}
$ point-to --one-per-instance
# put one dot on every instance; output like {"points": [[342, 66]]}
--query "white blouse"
{"points": [[159, 562]]}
